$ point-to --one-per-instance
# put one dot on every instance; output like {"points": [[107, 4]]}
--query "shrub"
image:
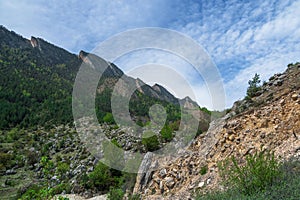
{"points": [[150, 141], [166, 133], [259, 171], [6, 159], [12, 135], [32, 157], [203, 170], [284, 187], [62, 169], [47, 165], [115, 194], [60, 188], [62, 198], [108, 118], [38, 193], [99, 178]]}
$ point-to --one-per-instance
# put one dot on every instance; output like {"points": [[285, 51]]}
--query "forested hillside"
{"points": [[36, 83]]}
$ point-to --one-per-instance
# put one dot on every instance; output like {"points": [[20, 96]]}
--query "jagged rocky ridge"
{"points": [[41, 79]]}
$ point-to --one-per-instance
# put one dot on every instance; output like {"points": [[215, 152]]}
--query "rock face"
{"points": [[271, 121], [165, 94], [144, 173], [187, 102]]}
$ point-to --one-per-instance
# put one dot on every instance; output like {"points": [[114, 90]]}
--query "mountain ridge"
{"points": [[40, 60]]}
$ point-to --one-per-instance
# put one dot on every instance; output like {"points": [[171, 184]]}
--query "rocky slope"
{"points": [[271, 121]]}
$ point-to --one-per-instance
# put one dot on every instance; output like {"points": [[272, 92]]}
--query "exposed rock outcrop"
{"points": [[269, 122]]}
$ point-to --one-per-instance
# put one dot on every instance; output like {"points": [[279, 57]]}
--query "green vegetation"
{"points": [[36, 87], [115, 194], [61, 169], [150, 141], [254, 86], [261, 177], [166, 133], [204, 109], [108, 118], [40, 192], [203, 170], [47, 165], [100, 177], [259, 171]]}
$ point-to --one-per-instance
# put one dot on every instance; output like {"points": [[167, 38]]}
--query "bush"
{"points": [[62, 169], [115, 194], [60, 188], [150, 141], [203, 170], [38, 193], [259, 171], [47, 165], [6, 159], [285, 187], [166, 133], [32, 157], [100, 177], [108, 118]]}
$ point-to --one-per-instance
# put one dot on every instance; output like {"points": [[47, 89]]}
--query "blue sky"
{"points": [[241, 37]]}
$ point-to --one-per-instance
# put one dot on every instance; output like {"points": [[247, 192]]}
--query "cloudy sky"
{"points": [[242, 37]]}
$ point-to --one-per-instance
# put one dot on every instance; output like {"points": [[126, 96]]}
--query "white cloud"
{"points": [[248, 38], [241, 37]]}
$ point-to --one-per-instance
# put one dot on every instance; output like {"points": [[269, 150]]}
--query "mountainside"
{"points": [[267, 121], [37, 78], [36, 81]]}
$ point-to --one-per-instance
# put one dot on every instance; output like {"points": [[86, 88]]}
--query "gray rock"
{"points": [[163, 173], [54, 178], [201, 184], [170, 182], [208, 181], [144, 173], [10, 172], [278, 82]]}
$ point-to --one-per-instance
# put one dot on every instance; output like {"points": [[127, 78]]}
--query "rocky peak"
{"points": [[164, 93], [187, 102], [12, 39], [34, 42], [84, 57]]}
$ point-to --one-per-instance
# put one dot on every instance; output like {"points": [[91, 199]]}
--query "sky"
{"points": [[241, 37]]}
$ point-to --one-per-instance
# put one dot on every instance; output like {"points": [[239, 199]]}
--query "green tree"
{"points": [[254, 86]]}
